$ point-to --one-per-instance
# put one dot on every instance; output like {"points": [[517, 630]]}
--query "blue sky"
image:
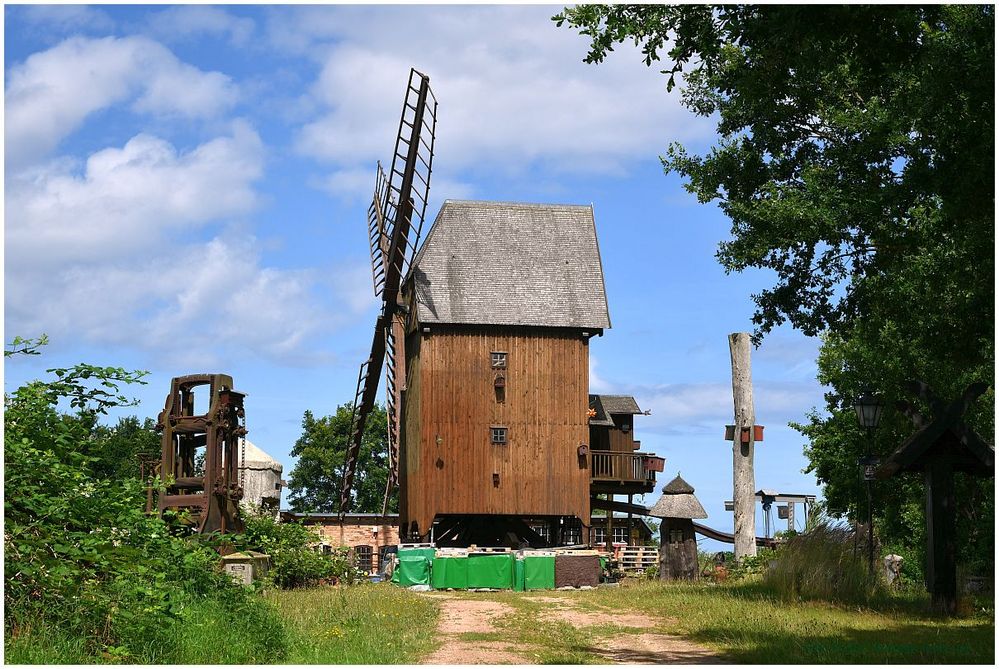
{"points": [[185, 191]]}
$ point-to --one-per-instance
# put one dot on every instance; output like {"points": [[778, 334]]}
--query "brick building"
{"points": [[366, 534]]}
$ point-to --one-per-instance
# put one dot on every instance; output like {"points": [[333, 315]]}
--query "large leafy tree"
{"points": [[855, 159], [317, 479]]}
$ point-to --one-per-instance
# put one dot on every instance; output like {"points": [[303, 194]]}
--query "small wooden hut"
{"points": [[678, 548]]}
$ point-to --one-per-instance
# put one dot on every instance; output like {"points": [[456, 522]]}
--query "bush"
{"points": [[753, 565], [86, 572], [822, 564], [292, 547]]}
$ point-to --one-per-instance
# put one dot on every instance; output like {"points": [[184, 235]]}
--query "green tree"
{"points": [[317, 478], [119, 449], [855, 152], [855, 159]]}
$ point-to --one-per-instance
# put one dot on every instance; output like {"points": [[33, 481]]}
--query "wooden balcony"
{"points": [[621, 473]]}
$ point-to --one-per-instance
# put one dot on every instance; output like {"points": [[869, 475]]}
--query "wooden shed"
{"points": [[678, 547]]}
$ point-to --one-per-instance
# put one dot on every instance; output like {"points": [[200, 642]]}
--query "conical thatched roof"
{"points": [[678, 501]]}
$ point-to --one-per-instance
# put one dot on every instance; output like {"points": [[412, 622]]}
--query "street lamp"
{"points": [[869, 409]]}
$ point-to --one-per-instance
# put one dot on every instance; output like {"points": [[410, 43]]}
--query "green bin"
{"points": [[539, 573], [412, 570], [518, 575], [428, 552], [449, 572], [491, 570]]}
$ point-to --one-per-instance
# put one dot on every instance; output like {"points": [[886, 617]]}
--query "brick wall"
{"points": [[375, 532]]}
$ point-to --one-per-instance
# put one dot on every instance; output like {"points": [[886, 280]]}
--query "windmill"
{"points": [[395, 221]]}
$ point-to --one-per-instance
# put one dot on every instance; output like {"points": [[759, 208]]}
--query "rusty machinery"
{"points": [[210, 490]]}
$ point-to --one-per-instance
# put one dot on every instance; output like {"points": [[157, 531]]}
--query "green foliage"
{"points": [[753, 565], [855, 159], [295, 559], [83, 565], [822, 564], [855, 152], [317, 479], [117, 450]]}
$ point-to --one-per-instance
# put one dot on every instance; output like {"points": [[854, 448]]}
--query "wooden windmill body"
{"points": [[484, 334]]}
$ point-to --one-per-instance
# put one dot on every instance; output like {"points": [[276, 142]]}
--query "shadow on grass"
{"points": [[910, 604], [899, 644]]}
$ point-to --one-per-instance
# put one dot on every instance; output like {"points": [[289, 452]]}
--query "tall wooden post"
{"points": [[743, 480], [941, 563]]}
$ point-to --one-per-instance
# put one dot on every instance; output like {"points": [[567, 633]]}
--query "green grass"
{"points": [[207, 632], [749, 624], [361, 624], [383, 624]]}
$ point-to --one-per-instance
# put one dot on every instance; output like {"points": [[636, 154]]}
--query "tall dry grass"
{"points": [[824, 563]]}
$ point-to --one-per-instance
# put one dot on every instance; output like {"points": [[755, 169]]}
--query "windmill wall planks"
{"points": [[451, 405]]}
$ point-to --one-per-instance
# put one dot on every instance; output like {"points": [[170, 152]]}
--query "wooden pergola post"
{"points": [[743, 479], [942, 445]]}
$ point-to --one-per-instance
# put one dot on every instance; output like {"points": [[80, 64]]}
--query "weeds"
{"points": [[823, 564]]}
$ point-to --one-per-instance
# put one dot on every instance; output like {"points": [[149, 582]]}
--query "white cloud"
{"points": [[597, 383], [515, 95], [129, 199], [708, 407], [188, 21], [64, 18], [110, 253], [49, 95]]}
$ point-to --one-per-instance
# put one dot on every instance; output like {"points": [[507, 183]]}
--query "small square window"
{"points": [[498, 435], [498, 359]]}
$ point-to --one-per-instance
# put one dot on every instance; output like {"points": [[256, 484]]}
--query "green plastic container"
{"points": [[491, 570], [428, 552], [412, 570], [449, 572], [518, 575], [539, 573]]}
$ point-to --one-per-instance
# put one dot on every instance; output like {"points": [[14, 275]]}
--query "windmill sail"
{"points": [[395, 222]]}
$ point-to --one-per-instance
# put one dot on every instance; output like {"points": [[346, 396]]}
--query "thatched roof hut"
{"points": [[678, 501]]}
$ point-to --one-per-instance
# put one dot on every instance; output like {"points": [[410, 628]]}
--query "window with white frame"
{"points": [[498, 434], [498, 359]]}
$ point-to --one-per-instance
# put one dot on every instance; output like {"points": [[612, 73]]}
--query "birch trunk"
{"points": [[743, 479]]}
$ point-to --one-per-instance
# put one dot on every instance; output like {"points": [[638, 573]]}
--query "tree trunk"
{"points": [[743, 479]]}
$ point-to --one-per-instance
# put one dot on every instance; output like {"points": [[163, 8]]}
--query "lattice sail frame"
{"points": [[395, 223]]}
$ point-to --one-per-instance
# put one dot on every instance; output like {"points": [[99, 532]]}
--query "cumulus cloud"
{"points": [[49, 95], [126, 199], [514, 97], [189, 21], [115, 252], [216, 298]]}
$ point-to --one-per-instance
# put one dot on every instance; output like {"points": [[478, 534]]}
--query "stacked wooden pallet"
{"points": [[638, 558]]}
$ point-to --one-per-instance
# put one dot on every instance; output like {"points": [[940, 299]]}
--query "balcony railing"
{"points": [[624, 467]]}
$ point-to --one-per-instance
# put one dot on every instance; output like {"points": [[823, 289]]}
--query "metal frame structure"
{"points": [[212, 495]]}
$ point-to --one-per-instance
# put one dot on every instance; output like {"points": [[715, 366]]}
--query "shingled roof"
{"points": [[605, 405], [503, 263]]}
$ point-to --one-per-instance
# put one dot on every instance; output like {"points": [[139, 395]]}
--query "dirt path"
{"points": [[636, 643], [461, 616]]}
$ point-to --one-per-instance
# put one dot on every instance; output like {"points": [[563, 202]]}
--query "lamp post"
{"points": [[869, 408]]}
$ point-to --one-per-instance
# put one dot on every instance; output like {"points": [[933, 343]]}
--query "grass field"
{"points": [[384, 624], [362, 624], [748, 624]]}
